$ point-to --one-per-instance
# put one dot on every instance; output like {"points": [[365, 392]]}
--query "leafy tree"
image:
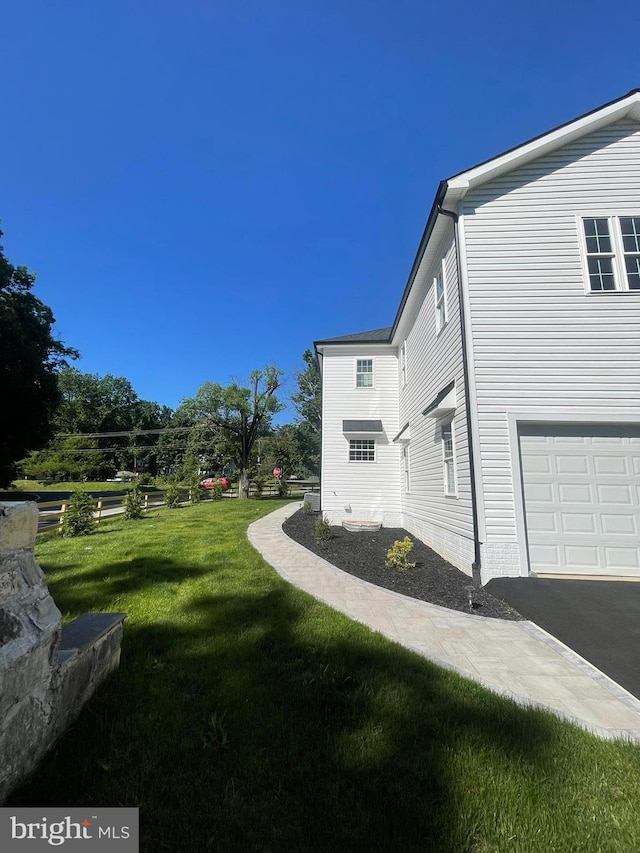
{"points": [[73, 458], [30, 358], [308, 404], [237, 416]]}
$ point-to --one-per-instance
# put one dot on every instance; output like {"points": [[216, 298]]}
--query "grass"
{"points": [[246, 716]]}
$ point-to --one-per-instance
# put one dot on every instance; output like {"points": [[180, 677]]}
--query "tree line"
{"points": [[59, 423]]}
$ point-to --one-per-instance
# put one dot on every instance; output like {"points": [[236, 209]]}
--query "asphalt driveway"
{"points": [[600, 620]]}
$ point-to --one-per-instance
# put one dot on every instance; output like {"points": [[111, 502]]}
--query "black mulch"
{"points": [[363, 554]]}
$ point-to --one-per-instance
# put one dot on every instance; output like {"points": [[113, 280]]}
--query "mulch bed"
{"points": [[363, 554]]}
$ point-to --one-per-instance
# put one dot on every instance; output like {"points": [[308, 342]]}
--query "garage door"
{"points": [[582, 498]]}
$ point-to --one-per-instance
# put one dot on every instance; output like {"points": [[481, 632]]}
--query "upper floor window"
{"points": [[364, 373], [439, 287], [448, 459], [612, 247], [362, 450], [403, 362]]}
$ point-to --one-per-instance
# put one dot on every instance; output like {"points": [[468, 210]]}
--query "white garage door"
{"points": [[582, 498]]}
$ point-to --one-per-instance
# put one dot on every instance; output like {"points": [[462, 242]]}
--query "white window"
{"points": [[448, 459], [364, 373], [405, 465], [362, 450], [403, 362], [440, 291], [612, 248]]}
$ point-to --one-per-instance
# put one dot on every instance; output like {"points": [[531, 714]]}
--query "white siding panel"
{"points": [[433, 361], [540, 340], [360, 490]]}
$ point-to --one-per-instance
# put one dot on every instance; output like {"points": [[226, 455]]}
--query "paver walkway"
{"points": [[514, 659]]}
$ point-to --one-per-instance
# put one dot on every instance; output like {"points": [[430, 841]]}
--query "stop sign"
{"points": [[277, 472]]}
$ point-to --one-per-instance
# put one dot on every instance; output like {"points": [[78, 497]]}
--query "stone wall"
{"points": [[47, 672]]}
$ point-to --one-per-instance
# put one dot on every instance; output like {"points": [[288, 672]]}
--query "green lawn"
{"points": [[246, 716]]}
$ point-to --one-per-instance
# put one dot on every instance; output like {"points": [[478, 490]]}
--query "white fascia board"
{"points": [[462, 183]]}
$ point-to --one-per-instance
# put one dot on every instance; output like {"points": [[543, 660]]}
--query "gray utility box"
{"points": [[314, 499]]}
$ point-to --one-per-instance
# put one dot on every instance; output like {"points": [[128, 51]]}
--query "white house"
{"points": [[498, 418]]}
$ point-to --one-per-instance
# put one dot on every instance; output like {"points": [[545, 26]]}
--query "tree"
{"points": [[30, 358], [237, 416], [308, 404], [73, 458]]}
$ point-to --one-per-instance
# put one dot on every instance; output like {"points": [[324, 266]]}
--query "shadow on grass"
{"points": [[262, 721]]}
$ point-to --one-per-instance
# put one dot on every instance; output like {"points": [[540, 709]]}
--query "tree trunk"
{"points": [[243, 484]]}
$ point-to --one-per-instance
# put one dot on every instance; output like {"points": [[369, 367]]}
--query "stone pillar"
{"points": [[43, 685]]}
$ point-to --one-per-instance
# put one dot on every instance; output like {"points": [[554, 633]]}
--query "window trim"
{"points": [[360, 372], [617, 254], [449, 459], [441, 302], [361, 449]]}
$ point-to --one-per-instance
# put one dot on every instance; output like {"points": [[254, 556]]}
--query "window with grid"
{"points": [[440, 297], [364, 373], [448, 460], [612, 247], [362, 450], [405, 465]]}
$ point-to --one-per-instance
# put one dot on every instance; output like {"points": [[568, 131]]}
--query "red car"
{"points": [[209, 483]]}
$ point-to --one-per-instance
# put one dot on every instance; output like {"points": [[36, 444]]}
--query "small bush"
{"points": [[78, 516], [172, 496], [133, 503], [283, 488], [322, 529], [196, 491], [398, 553], [216, 491], [258, 485], [307, 508], [145, 480]]}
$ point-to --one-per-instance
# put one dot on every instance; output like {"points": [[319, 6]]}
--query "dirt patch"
{"points": [[363, 555]]}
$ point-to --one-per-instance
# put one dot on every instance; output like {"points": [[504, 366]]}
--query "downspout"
{"points": [[476, 565]]}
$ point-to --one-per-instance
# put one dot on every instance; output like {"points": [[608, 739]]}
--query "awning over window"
{"points": [[362, 426], [443, 404], [404, 436]]}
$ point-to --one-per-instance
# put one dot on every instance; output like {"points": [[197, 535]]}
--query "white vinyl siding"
{"points": [[539, 342], [436, 360], [360, 489]]}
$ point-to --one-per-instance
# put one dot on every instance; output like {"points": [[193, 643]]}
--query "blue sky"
{"points": [[205, 187]]}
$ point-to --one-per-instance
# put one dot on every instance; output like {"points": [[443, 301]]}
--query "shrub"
{"points": [[145, 480], [78, 516], [258, 485], [196, 491], [322, 528], [216, 491], [133, 503], [283, 488], [398, 553], [307, 508], [172, 496]]}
